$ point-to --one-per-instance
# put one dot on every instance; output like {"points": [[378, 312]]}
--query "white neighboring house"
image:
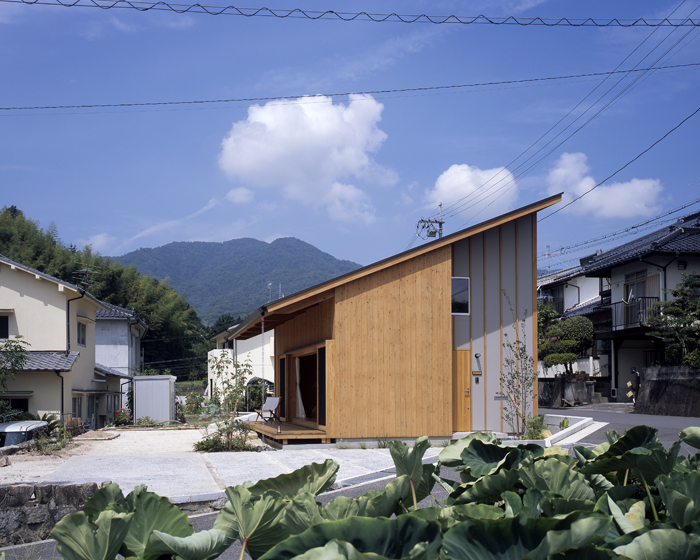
{"points": [[571, 293], [118, 335], [57, 319], [258, 350]]}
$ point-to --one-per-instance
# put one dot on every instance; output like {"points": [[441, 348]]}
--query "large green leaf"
{"points": [[204, 545], [554, 504], [662, 544], [487, 489], [79, 539], [554, 475], [681, 494], [482, 458], [523, 537], [691, 436], [391, 538], [627, 522], [340, 550], [450, 516], [410, 462], [589, 552], [153, 512], [314, 478], [451, 456], [108, 497], [303, 512], [375, 503], [255, 520]]}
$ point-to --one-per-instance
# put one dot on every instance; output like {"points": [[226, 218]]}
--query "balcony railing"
{"points": [[636, 313]]}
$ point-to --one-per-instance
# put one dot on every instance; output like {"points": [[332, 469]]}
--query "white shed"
{"points": [[154, 396]]}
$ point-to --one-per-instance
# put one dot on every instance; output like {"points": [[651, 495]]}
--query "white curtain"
{"points": [[300, 405]]}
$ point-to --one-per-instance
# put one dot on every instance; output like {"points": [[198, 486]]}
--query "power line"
{"points": [[298, 13], [624, 166], [369, 92]]}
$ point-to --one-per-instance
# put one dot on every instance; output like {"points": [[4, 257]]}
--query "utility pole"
{"points": [[429, 226]]}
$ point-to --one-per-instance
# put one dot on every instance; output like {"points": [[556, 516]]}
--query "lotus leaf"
{"points": [[110, 496], [662, 544], [255, 520], [522, 537], [204, 545], [681, 494], [484, 458], [554, 475], [79, 539], [451, 456], [410, 463], [691, 436], [391, 538], [487, 489], [304, 512], [314, 478], [153, 512]]}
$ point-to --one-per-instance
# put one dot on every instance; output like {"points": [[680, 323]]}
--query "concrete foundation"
{"points": [[669, 391]]}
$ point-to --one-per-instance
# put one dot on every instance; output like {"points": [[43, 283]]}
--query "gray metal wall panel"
{"points": [[508, 284], [460, 267], [477, 317], [526, 288], [492, 373]]}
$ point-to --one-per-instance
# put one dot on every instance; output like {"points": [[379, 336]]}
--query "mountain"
{"points": [[233, 276]]}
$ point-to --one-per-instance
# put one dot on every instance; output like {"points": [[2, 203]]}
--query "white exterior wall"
{"points": [[588, 288], [673, 275], [116, 345], [595, 367], [258, 350]]}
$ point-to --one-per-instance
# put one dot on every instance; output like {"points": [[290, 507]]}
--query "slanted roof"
{"points": [[587, 307], [681, 238], [109, 372], [39, 360], [41, 275], [286, 308], [111, 311], [559, 276]]}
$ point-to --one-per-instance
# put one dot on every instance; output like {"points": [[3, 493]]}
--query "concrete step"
{"points": [[598, 398]]}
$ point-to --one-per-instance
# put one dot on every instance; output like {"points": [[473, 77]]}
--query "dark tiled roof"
{"points": [[583, 308], [116, 312], [683, 237], [50, 361], [47, 277], [559, 276], [104, 370]]}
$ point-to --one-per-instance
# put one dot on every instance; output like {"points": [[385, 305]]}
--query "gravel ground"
{"points": [[32, 467]]}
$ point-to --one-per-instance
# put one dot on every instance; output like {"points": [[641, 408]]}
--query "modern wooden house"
{"points": [[411, 345]]}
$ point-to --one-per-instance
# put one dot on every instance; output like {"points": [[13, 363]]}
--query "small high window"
{"points": [[4, 326], [460, 296], [82, 334]]}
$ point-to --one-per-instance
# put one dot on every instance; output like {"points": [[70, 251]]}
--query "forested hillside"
{"points": [[175, 332], [232, 277]]}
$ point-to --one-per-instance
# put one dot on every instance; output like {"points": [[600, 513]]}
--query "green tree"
{"points": [[14, 354], [565, 341], [678, 322], [546, 316]]}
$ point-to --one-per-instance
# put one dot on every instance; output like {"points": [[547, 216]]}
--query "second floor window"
{"points": [[460, 296], [82, 334]]}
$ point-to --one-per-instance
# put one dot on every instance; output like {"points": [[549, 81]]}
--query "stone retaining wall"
{"points": [[28, 512], [669, 391], [550, 392]]}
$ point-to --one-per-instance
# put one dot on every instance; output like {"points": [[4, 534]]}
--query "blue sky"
{"points": [[348, 174]]}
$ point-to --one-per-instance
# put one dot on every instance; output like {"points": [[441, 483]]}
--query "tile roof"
{"points": [[50, 361], [683, 237], [559, 276], [104, 370], [584, 308], [115, 312]]}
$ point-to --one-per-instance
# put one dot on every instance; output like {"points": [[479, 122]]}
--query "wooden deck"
{"points": [[283, 432]]}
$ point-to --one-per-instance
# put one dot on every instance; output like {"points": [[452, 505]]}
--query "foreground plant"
{"points": [[627, 498]]}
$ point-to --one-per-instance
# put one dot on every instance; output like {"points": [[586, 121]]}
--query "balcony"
{"points": [[636, 313]]}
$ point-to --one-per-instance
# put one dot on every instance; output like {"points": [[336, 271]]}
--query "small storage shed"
{"points": [[154, 396], [411, 345]]}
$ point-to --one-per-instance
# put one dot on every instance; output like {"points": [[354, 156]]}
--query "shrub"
{"points": [[535, 427], [193, 402], [122, 417], [226, 437], [146, 421]]}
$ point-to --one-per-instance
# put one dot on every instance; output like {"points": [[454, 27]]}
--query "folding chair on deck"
{"points": [[268, 410]]}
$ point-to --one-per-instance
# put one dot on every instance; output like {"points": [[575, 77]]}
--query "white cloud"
{"points": [[347, 203], [309, 147], [638, 197], [486, 192], [240, 195], [100, 242]]}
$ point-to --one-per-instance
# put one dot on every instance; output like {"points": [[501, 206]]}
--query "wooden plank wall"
{"points": [[313, 326], [392, 352]]}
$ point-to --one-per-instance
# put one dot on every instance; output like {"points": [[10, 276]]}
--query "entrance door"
{"points": [[461, 391]]}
